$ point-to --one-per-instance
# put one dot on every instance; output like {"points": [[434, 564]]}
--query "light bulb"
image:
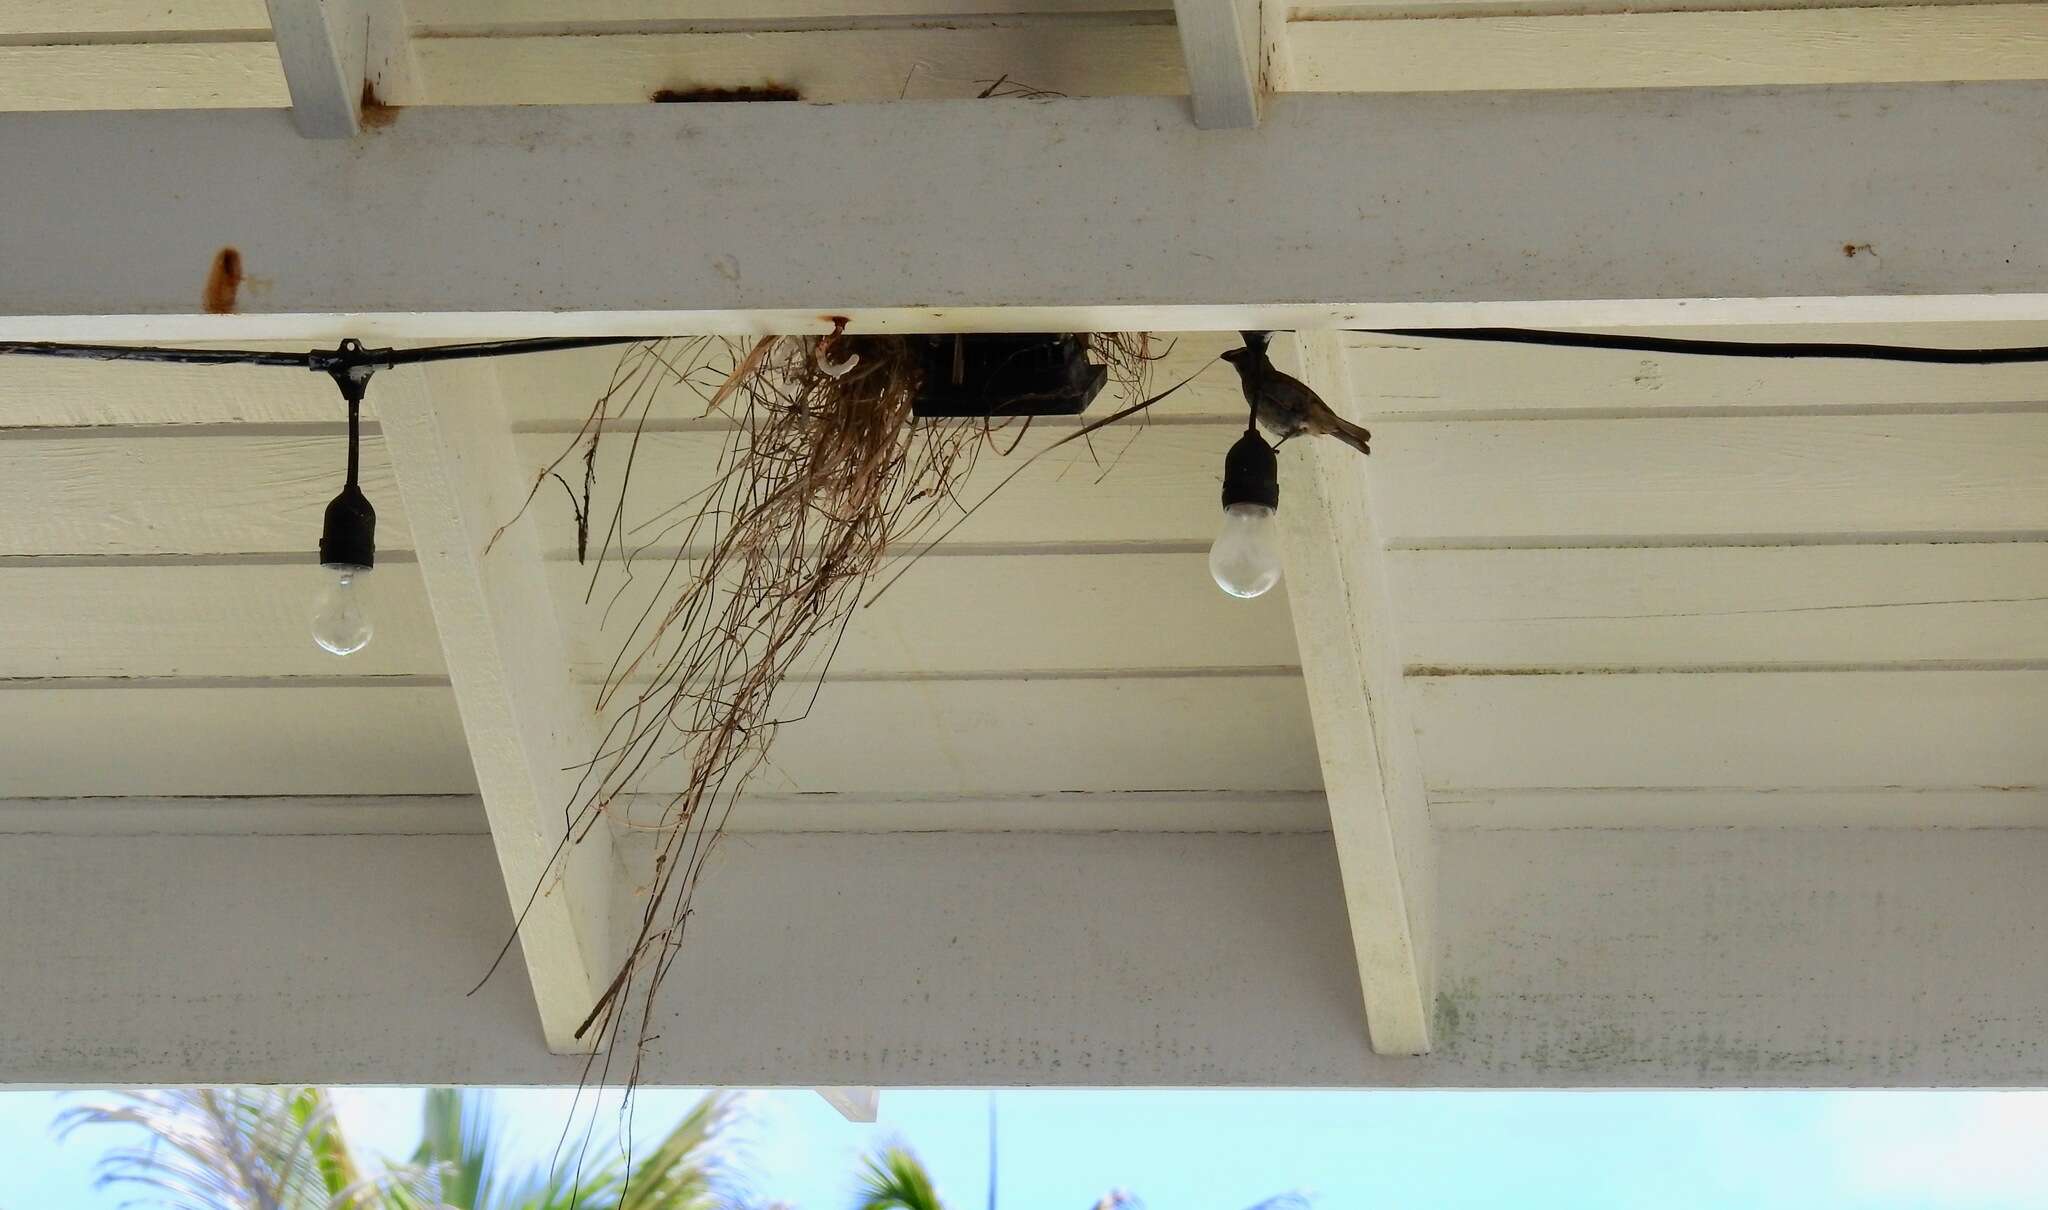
{"points": [[1246, 557], [340, 624]]}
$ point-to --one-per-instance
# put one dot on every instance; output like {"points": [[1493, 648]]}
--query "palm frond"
{"points": [[683, 1171], [896, 1180], [217, 1149]]}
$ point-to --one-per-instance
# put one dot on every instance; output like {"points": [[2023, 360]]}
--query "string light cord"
{"points": [[1724, 348], [350, 358]]}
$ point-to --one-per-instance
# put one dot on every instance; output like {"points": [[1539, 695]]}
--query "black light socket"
{"points": [[348, 537], [1251, 472]]}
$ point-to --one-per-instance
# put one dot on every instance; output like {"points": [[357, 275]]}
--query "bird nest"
{"points": [[825, 475]]}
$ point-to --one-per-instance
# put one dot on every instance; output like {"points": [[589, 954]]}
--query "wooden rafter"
{"points": [[524, 719], [1344, 623]]}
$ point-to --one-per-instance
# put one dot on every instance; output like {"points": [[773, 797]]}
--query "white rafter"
{"points": [[1344, 623], [528, 731], [1220, 41], [331, 50]]}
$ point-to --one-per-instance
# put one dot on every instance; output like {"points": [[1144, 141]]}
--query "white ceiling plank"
{"points": [[1881, 807], [836, 65], [1704, 480], [1807, 45], [1823, 729], [452, 450], [120, 737], [1673, 607], [1445, 209], [1379, 813], [1219, 39]]}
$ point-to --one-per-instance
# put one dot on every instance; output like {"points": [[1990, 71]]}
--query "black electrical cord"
{"points": [[348, 357], [1724, 348]]}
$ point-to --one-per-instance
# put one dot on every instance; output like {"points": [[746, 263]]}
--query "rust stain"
{"points": [[770, 91], [222, 282], [1853, 249], [376, 114]]}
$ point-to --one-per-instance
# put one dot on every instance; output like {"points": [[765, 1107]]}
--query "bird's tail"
{"points": [[1352, 435]]}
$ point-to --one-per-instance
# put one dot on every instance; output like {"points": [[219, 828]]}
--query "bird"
{"points": [[1285, 406]]}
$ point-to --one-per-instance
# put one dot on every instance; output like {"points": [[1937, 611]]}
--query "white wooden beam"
{"points": [[1220, 39], [858, 1105], [1579, 958], [1344, 622], [1706, 207], [331, 50], [525, 720]]}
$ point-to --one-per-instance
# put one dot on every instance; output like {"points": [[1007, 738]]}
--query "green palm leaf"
{"points": [[460, 1144], [225, 1149], [895, 1180]]}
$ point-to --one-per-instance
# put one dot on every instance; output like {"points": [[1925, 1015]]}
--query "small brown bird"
{"points": [[1285, 406]]}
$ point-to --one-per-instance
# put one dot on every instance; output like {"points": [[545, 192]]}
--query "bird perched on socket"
{"points": [[1284, 405]]}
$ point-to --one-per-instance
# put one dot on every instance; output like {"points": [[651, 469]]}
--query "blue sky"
{"points": [[1227, 1150]]}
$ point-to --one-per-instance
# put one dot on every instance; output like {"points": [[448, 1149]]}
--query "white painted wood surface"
{"points": [[1756, 730], [1220, 43], [1723, 606], [959, 615], [1571, 959], [1793, 45], [1442, 379], [1365, 737], [1882, 807], [1606, 482], [873, 64], [972, 737], [323, 47], [115, 495], [526, 729], [134, 55], [1769, 187], [67, 739], [1111, 733], [1149, 486], [859, 1105]]}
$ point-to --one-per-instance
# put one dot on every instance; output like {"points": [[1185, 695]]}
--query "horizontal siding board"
{"points": [[205, 621], [1814, 45], [37, 392], [1735, 730], [514, 14], [1233, 733], [157, 75], [1878, 808], [964, 738], [175, 742], [1584, 480], [949, 616], [219, 494], [1442, 377], [823, 65], [1158, 484], [55, 20], [964, 614], [1704, 606]]}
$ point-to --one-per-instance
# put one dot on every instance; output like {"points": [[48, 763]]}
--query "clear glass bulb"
{"points": [[340, 624], [1246, 557]]}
